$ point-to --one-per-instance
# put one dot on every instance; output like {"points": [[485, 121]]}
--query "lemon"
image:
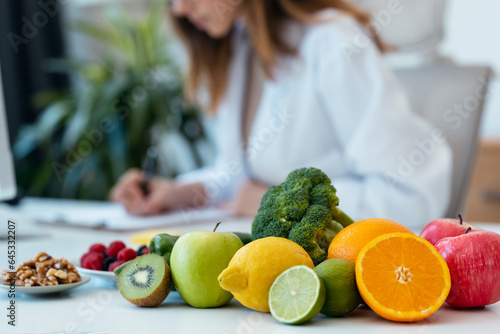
{"points": [[254, 267], [342, 295], [297, 295]]}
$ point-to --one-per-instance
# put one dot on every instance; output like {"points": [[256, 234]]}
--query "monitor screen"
{"points": [[7, 179]]}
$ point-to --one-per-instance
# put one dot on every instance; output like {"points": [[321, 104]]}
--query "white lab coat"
{"points": [[345, 115]]}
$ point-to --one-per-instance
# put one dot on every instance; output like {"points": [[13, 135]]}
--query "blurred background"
{"points": [[91, 84]]}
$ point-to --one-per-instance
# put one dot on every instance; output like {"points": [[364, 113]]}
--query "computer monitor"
{"points": [[7, 176]]}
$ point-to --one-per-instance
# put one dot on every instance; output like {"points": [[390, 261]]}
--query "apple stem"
{"points": [[216, 226], [468, 229], [461, 220]]}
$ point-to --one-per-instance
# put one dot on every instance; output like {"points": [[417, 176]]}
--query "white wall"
{"points": [[472, 32], [472, 37]]}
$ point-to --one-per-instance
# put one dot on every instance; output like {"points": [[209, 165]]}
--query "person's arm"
{"points": [[164, 194], [220, 182], [247, 201], [211, 185], [399, 167]]}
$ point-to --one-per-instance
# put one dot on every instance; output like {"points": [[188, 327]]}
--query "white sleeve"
{"points": [[223, 179], [399, 167], [208, 176]]}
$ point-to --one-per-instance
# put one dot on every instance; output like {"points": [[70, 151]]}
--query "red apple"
{"points": [[474, 262], [444, 228]]}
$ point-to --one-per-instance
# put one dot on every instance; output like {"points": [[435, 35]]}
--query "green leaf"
{"points": [[91, 30], [26, 143], [52, 117]]}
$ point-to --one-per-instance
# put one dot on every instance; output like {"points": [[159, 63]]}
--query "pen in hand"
{"points": [[149, 169]]}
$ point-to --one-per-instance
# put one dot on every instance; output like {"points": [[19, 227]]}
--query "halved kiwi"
{"points": [[145, 281]]}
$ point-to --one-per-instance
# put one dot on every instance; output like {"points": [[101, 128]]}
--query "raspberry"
{"points": [[114, 248], [93, 261], [142, 250], [107, 262], [126, 254], [115, 264], [97, 248], [83, 258]]}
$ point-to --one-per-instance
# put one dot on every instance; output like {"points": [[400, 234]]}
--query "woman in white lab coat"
{"points": [[300, 84]]}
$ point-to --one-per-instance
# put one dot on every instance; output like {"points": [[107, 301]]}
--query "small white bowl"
{"points": [[42, 290], [108, 275]]}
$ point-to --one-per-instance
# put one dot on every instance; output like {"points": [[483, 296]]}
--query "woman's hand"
{"points": [[129, 192], [164, 194], [248, 199]]}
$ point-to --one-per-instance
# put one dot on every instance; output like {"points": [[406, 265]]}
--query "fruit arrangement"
{"points": [[307, 257], [190, 264], [102, 258]]}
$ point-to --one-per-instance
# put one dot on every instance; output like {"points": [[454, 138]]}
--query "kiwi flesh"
{"points": [[145, 281]]}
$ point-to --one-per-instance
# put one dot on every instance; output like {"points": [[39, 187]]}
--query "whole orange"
{"points": [[350, 240]]}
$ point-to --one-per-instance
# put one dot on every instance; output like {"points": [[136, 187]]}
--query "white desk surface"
{"points": [[98, 307]]}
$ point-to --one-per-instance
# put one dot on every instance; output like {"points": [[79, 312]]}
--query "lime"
{"points": [[342, 295], [296, 295]]}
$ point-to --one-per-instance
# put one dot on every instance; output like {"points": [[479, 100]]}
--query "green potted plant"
{"points": [[121, 104]]}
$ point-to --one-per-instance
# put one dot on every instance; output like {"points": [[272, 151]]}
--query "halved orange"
{"points": [[350, 240], [402, 277]]}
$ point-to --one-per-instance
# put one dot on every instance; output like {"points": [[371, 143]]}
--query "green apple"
{"points": [[197, 259]]}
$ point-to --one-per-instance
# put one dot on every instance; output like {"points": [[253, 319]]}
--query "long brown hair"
{"points": [[209, 58]]}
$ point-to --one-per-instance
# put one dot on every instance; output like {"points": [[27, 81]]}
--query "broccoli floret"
{"points": [[315, 232], [324, 194], [294, 200], [269, 197], [313, 174], [279, 227], [302, 209]]}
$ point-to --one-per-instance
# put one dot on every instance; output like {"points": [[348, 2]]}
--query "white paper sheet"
{"points": [[111, 216]]}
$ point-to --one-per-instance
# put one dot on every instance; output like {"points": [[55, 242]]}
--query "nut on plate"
{"points": [[43, 270]]}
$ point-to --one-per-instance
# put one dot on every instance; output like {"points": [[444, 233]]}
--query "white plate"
{"points": [[41, 290], [108, 275]]}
